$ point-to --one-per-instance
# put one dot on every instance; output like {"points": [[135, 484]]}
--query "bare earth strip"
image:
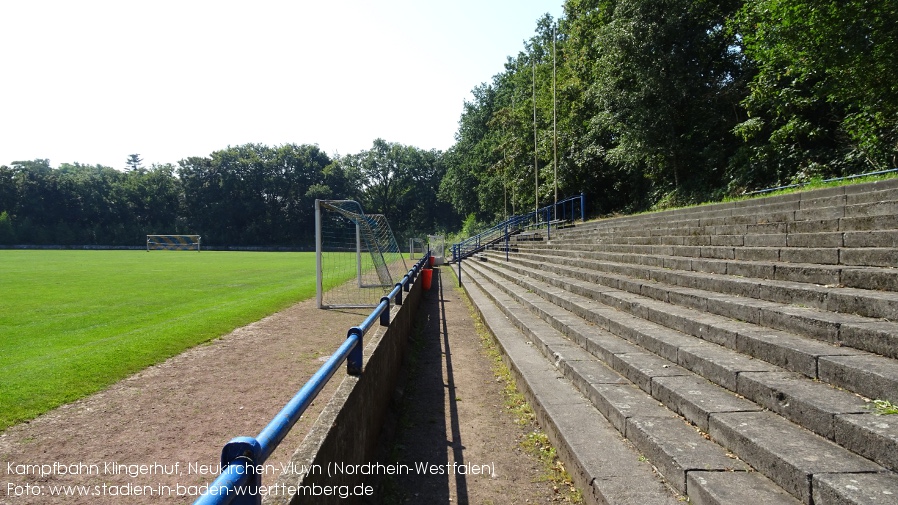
{"points": [[180, 412]]}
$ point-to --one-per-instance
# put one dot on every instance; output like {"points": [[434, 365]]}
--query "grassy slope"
{"points": [[73, 322], [808, 186]]}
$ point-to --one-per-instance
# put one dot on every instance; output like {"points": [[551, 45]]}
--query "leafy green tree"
{"points": [[822, 103], [7, 232], [400, 182], [255, 194], [610, 186], [468, 162], [667, 85], [490, 170], [134, 162], [153, 199], [8, 190]]}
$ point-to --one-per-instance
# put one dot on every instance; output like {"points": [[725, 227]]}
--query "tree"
{"points": [[667, 85], [8, 190], [466, 184], [7, 232], [822, 103], [153, 201], [134, 162], [255, 194]]}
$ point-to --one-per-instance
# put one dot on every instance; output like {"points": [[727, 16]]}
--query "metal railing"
{"points": [[546, 217], [239, 480]]}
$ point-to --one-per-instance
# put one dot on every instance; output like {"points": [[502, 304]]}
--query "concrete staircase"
{"points": [[726, 353]]}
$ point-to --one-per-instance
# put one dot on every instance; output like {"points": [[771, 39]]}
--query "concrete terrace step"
{"points": [[616, 475], [827, 314], [849, 226], [868, 374], [735, 345], [882, 217], [667, 367], [856, 257], [780, 348], [864, 200], [853, 245], [855, 229], [690, 461], [742, 265]]}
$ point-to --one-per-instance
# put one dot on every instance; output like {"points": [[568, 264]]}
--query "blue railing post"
{"points": [[245, 452], [354, 359], [506, 240], [582, 210], [398, 293], [459, 270], [385, 314]]}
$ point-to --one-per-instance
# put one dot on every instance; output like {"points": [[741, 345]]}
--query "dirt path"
{"points": [[453, 413], [180, 412]]}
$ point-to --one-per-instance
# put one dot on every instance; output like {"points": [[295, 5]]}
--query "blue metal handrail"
{"points": [[239, 483], [517, 224]]}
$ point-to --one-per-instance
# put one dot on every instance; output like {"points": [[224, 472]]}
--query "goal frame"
{"points": [[174, 242], [382, 249]]}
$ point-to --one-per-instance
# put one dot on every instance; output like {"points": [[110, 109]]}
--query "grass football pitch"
{"points": [[74, 322]]}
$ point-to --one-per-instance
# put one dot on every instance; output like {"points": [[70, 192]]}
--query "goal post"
{"points": [[416, 248], [437, 246], [173, 242], [357, 259]]}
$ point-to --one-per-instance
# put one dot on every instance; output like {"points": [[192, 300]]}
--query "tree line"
{"points": [[638, 104], [653, 103], [249, 195]]}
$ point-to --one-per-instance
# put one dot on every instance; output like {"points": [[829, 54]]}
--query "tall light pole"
{"points": [[535, 162], [554, 124]]}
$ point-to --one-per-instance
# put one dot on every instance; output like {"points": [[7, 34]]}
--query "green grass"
{"points": [[810, 185], [74, 322], [885, 407]]}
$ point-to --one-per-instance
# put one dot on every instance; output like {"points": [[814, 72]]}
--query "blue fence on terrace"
{"points": [[239, 483], [565, 211]]}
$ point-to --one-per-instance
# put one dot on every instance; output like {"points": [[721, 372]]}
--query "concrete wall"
{"points": [[348, 428]]}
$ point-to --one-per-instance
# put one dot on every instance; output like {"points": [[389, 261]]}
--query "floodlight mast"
{"points": [[554, 121], [535, 162]]}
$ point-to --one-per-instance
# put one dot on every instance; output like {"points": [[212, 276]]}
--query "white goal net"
{"points": [[173, 242], [357, 257]]}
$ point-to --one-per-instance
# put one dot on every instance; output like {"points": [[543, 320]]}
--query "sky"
{"points": [[93, 81]]}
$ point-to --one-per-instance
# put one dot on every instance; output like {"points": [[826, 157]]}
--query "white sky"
{"points": [[93, 81]]}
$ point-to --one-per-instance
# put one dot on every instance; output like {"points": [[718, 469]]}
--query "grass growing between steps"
{"points": [[885, 407], [535, 443], [672, 201]]}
